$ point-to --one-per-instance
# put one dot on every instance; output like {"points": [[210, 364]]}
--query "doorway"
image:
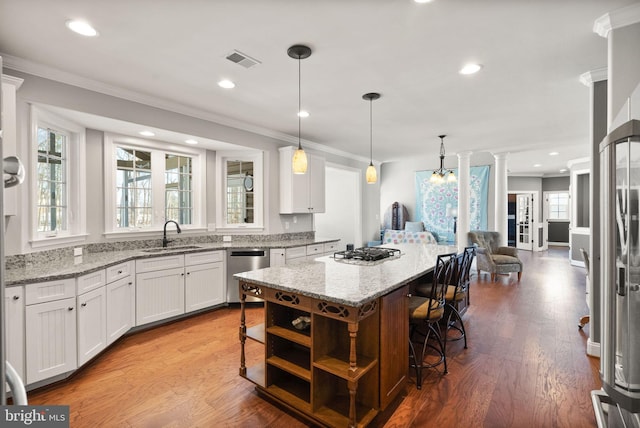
{"points": [[343, 206]]}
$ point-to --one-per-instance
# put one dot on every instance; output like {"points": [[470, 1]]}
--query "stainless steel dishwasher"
{"points": [[243, 260]]}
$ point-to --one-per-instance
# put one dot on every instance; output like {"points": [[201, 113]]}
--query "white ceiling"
{"points": [[527, 100]]}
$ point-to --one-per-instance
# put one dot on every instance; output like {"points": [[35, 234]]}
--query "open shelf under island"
{"points": [[351, 361]]}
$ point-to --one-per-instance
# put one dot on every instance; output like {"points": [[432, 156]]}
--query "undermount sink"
{"points": [[161, 249]]}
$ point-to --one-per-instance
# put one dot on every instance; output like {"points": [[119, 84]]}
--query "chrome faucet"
{"points": [[165, 241]]}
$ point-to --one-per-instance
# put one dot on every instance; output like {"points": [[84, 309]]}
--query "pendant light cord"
{"points": [[371, 131], [299, 103]]}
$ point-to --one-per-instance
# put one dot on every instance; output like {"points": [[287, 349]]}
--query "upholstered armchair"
{"points": [[491, 257]]}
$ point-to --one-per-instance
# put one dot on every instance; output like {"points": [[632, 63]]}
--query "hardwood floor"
{"points": [[525, 366]]}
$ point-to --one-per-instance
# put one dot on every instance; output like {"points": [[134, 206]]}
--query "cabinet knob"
{"points": [[409, 295], [188, 273], [182, 274], [84, 304], [70, 308], [130, 283], [119, 272], [16, 297]]}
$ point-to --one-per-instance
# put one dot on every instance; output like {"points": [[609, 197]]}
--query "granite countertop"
{"points": [[72, 267], [348, 283]]}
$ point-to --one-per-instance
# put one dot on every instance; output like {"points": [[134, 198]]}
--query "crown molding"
{"points": [[51, 73], [616, 19], [15, 81], [573, 162], [593, 76]]}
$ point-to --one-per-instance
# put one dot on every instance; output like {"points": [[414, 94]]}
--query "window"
{"points": [[152, 183], [57, 204], [240, 187], [558, 206]]}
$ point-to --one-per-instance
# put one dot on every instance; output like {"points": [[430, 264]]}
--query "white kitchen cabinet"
{"points": [[50, 339], [10, 85], [205, 280], [92, 324], [331, 247], [159, 294], [301, 193], [121, 300], [277, 257], [15, 332], [204, 286], [314, 250]]}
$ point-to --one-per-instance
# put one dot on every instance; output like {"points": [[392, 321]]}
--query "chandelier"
{"points": [[438, 176]]}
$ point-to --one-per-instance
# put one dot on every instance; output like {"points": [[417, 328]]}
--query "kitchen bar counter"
{"points": [[350, 283], [71, 267], [335, 333]]}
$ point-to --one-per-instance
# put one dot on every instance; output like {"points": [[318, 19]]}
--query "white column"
{"points": [[501, 197], [464, 199]]}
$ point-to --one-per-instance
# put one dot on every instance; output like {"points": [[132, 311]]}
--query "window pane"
{"points": [[133, 188], [51, 182], [178, 184]]}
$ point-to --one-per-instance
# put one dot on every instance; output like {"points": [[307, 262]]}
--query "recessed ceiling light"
{"points": [[147, 133], [553, 153], [423, 1], [191, 141], [81, 27], [303, 113], [470, 69], [226, 84], [537, 165], [563, 170]]}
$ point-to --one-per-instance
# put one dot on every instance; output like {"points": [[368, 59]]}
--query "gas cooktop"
{"points": [[367, 254]]}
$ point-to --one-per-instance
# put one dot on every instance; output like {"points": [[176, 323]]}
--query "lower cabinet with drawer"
{"points": [[50, 323]]}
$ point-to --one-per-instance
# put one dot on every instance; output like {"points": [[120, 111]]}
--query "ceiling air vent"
{"points": [[244, 60]]}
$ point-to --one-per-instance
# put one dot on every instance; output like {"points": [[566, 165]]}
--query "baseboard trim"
{"points": [[593, 348]]}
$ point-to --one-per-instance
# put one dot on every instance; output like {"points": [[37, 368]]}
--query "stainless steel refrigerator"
{"points": [[13, 174], [618, 403]]}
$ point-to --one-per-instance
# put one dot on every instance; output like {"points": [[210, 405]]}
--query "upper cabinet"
{"points": [[301, 193], [239, 190]]}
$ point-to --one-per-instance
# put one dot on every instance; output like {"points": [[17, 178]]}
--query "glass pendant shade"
{"points": [[371, 174], [299, 161]]}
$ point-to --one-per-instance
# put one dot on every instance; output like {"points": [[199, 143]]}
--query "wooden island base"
{"points": [[343, 369]]}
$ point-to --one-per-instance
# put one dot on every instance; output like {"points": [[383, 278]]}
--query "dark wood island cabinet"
{"points": [[351, 361]]}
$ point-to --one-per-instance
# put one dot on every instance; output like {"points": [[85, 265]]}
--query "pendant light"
{"points": [[371, 174], [299, 161], [438, 175]]}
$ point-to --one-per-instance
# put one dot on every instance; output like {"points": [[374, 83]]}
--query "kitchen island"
{"points": [[350, 361]]}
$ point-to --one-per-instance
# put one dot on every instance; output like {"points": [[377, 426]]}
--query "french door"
{"points": [[524, 221]]}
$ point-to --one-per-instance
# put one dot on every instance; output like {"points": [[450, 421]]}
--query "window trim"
{"points": [[75, 176], [157, 149], [257, 157]]}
